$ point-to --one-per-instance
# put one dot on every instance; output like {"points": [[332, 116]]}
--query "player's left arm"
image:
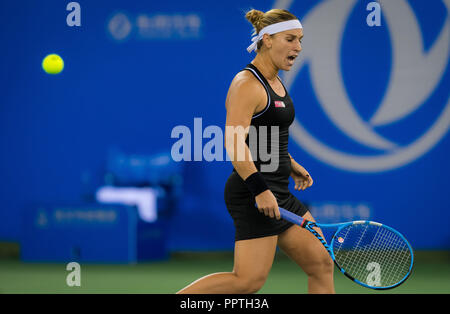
{"points": [[302, 178]]}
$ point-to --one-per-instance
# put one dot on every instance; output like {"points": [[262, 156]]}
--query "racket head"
{"points": [[373, 255]]}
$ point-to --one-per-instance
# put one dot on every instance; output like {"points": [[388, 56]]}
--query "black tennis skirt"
{"points": [[248, 221]]}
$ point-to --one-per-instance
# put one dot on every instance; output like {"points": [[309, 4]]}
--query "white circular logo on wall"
{"points": [[414, 76], [119, 26]]}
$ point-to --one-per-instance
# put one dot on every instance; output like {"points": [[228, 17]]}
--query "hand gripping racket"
{"points": [[369, 253]]}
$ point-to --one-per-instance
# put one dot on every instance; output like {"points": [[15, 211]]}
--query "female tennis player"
{"points": [[258, 98]]}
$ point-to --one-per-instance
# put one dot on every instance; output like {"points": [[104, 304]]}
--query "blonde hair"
{"points": [[259, 19]]}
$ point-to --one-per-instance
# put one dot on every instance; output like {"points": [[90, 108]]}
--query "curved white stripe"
{"points": [[268, 95], [323, 57], [400, 157], [415, 74]]}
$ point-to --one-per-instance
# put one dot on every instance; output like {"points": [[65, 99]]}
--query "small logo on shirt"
{"points": [[279, 104]]}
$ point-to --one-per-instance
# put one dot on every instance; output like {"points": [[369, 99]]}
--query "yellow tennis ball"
{"points": [[53, 64]]}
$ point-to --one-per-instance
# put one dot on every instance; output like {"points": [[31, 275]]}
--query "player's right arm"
{"points": [[246, 96]]}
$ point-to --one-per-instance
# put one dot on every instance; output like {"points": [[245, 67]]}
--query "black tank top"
{"points": [[271, 125]]}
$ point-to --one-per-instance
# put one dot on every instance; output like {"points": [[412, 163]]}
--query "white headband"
{"points": [[273, 29]]}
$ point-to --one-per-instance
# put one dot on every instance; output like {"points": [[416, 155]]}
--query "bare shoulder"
{"points": [[246, 80], [246, 88]]}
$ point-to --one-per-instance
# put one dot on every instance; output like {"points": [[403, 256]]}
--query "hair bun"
{"points": [[254, 16]]}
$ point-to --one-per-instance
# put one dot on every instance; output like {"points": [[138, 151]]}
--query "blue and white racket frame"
{"points": [[310, 225]]}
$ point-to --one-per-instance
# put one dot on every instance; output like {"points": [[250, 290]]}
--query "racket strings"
{"points": [[372, 254], [392, 269], [398, 254]]}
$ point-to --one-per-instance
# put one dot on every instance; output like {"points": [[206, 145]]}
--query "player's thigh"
{"points": [[304, 248], [253, 258]]}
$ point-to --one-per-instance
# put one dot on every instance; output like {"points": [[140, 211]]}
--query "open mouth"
{"points": [[292, 58]]}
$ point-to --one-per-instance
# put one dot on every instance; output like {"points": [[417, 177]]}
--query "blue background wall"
{"points": [[129, 93]]}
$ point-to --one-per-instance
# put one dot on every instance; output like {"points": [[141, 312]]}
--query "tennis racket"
{"points": [[369, 253]]}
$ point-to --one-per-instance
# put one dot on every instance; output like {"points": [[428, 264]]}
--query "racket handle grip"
{"points": [[291, 217]]}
